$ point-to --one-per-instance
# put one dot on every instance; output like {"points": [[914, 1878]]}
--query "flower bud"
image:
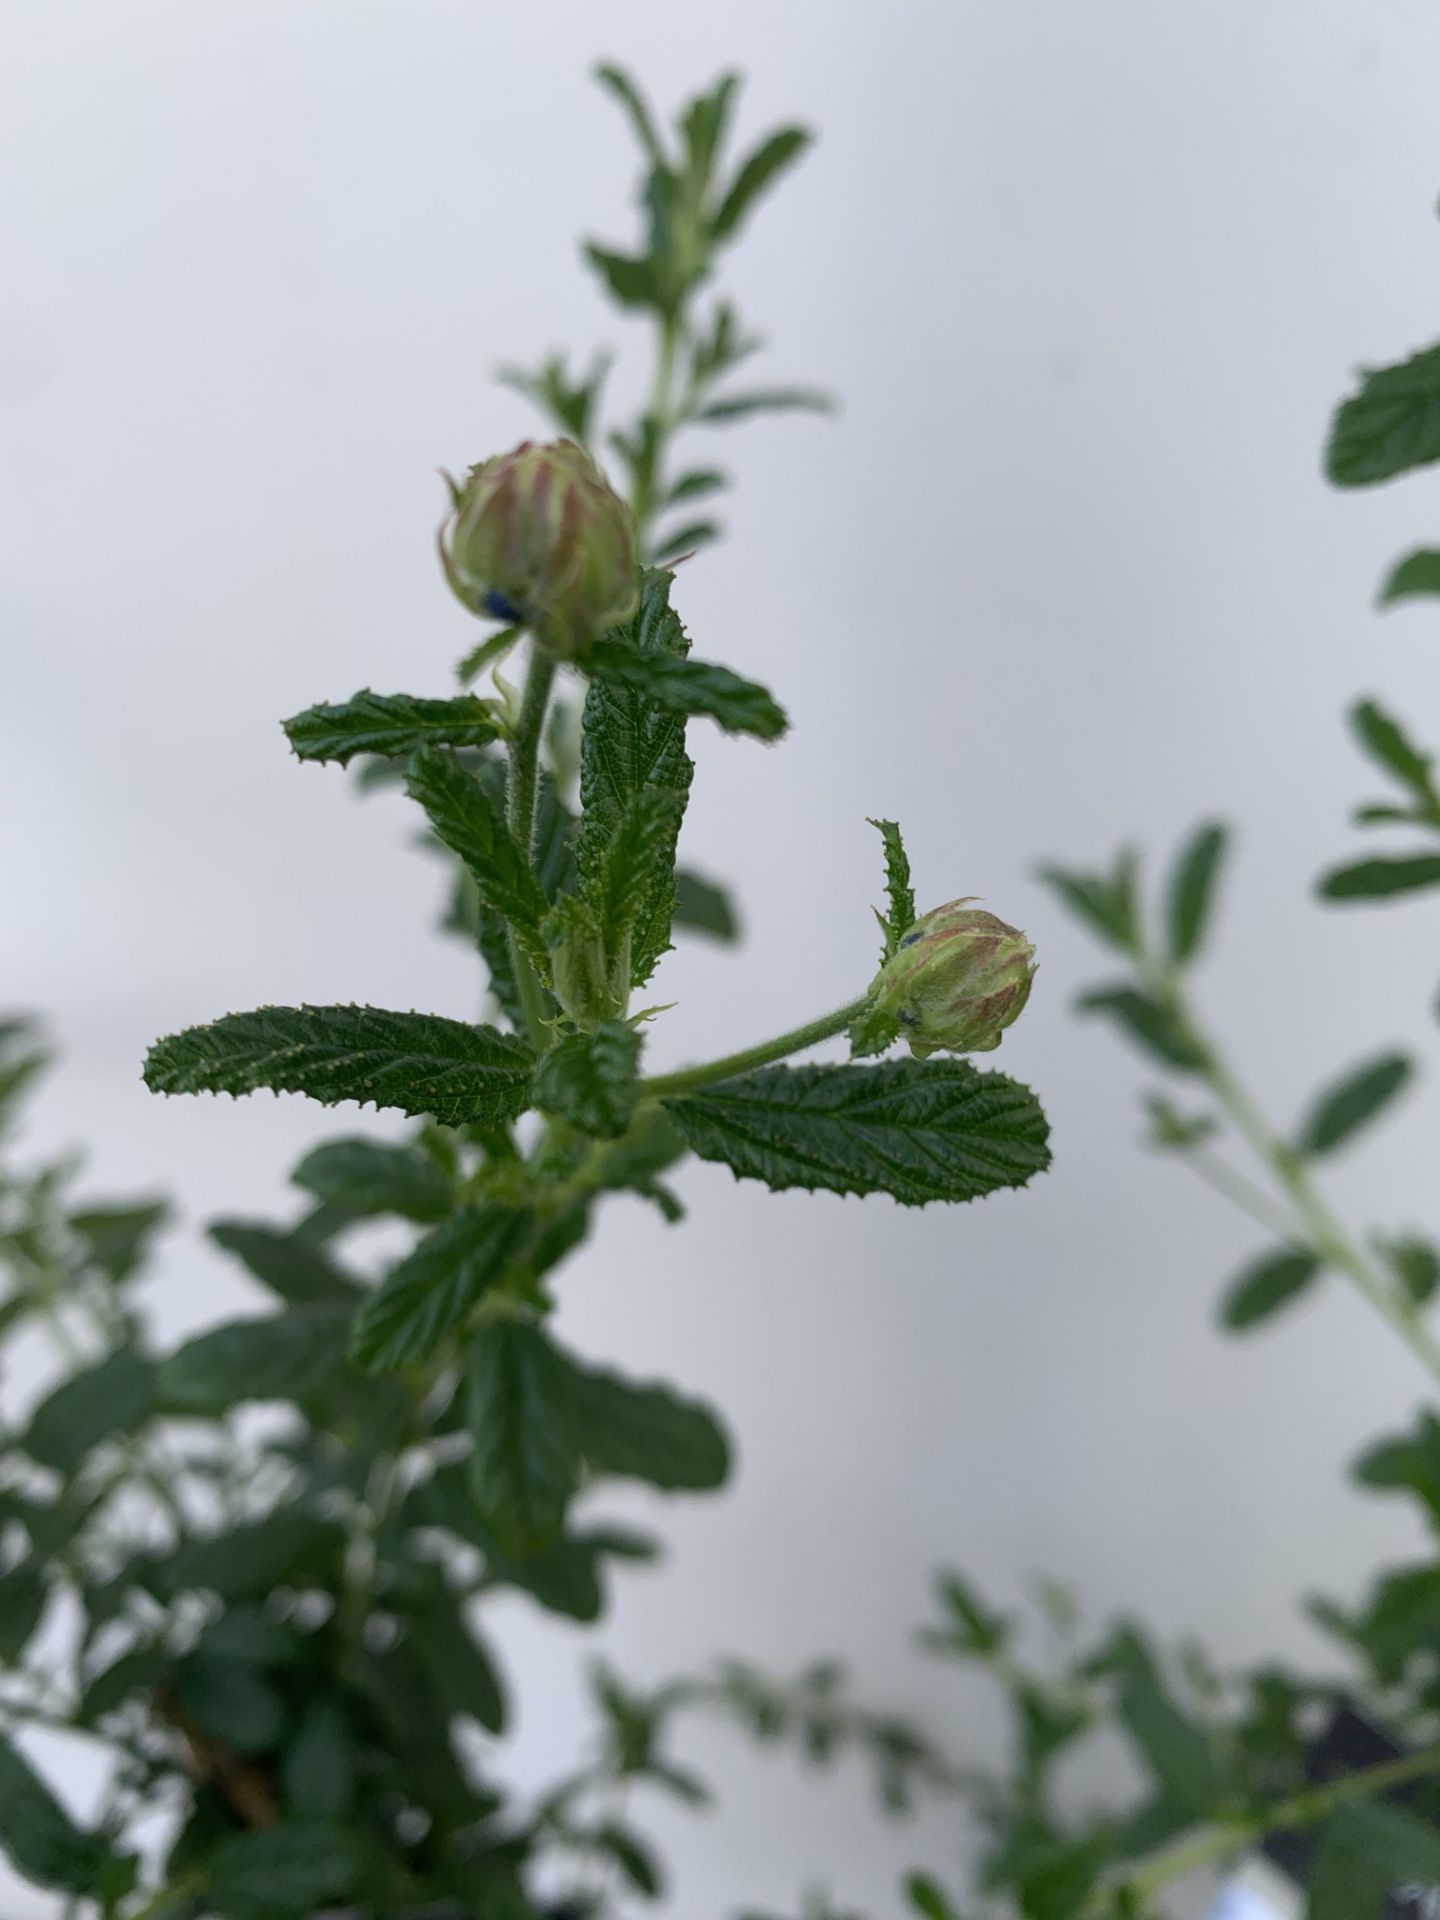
{"points": [[956, 980], [539, 538]]}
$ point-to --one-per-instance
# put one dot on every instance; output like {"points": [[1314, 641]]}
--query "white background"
{"points": [[1088, 280]]}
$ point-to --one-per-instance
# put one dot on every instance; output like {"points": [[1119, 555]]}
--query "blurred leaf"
{"points": [[117, 1239], [1192, 890], [23, 1594], [760, 169], [419, 1063], [703, 906], [591, 1079], [231, 1702], [250, 1559], [377, 1176], [1154, 1027], [521, 1419], [644, 1430], [678, 543], [1407, 1462], [1415, 1264], [571, 404], [463, 1666], [1266, 1285], [927, 1897], [1366, 1851], [1172, 1130], [1415, 577], [1385, 741], [617, 82], [105, 1402], [1380, 878], [40, 1838], [638, 1865], [292, 1268], [697, 484], [318, 1769], [390, 724], [970, 1628], [1108, 904], [1352, 1102], [936, 1130], [1180, 1752], [286, 1356], [1391, 426], [633, 281], [435, 1288], [740, 406], [289, 1871]]}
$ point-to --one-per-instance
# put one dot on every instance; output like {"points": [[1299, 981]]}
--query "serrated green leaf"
{"points": [[24, 1591], [292, 1870], [644, 1430], [42, 1841], [900, 895], [920, 1131], [377, 1176], [1415, 577], [117, 1239], [590, 1079], [1391, 426], [1352, 1102], [641, 846], [687, 686], [291, 1266], [633, 745], [472, 824], [105, 1402], [703, 906], [1381, 878], [520, 1414], [435, 1288], [285, 1356], [390, 724], [1266, 1285], [1150, 1023], [759, 171], [873, 1031], [1192, 890], [419, 1063], [740, 406]]}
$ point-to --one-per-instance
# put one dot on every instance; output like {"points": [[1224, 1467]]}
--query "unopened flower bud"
{"points": [[957, 979], [538, 537]]}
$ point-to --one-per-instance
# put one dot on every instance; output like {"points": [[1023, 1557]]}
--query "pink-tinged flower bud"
{"points": [[538, 537], [958, 978]]}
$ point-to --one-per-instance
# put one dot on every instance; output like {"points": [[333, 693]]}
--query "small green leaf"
{"points": [[463, 1665], [1391, 426], [105, 1402], [117, 1239], [571, 404], [617, 82], [1354, 1101], [318, 1770], [758, 172], [920, 1131], [740, 406], [377, 1176], [286, 1356], [637, 1864], [590, 1079], [678, 543], [900, 896], [634, 281], [419, 1063], [436, 1287], [688, 686], [250, 1559], [23, 1594], [1180, 1752], [472, 825], [231, 1702], [1109, 904], [1415, 577], [1406, 1462], [928, 1897], [1154, 1027], [292, 1268], [698, 484], [1266, 1285], [520, 1413], [704, 907], [390, 724], [1415, 1264], [1385, 741], [291, 1870], [644, 1430], [42, 1841], [1381, 878], [1192, 890]]}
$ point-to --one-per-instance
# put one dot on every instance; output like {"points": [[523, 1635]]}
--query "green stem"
{"points": [[1301, 1810], [688, 1078], [658, 411], [520, 790]]}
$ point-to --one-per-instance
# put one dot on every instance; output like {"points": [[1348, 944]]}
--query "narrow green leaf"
{"points": [[758, 172], [921, 1131], [703, 126], [617, 82], [1180, 1752], [633, 1856], [1192, 890], [590, 1079], [436, 1287], [1266, 1285], [1355, 1100], [521, 1419], [23, 1594], [689, 687], [1415, 577], [644, 1430], [677, 543], [900, 916], [486, 653], [703, 906], [293, 1268], [631, 745], [42, 1841], [285, 1356], [1391, 426], [1152, 1025], [634, 281], [390, 724], [105, 1402], [472, 824], [698, 484], [740, 406], [1108, 904], [417, 1062], [377, 1176], [928, 1897], [1381, 878], [117, 1239], [1386, 742], [292, 1870]]}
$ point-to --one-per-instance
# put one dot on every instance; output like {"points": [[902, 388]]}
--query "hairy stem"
{"points": [[725, 1068], [520, 789]]}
